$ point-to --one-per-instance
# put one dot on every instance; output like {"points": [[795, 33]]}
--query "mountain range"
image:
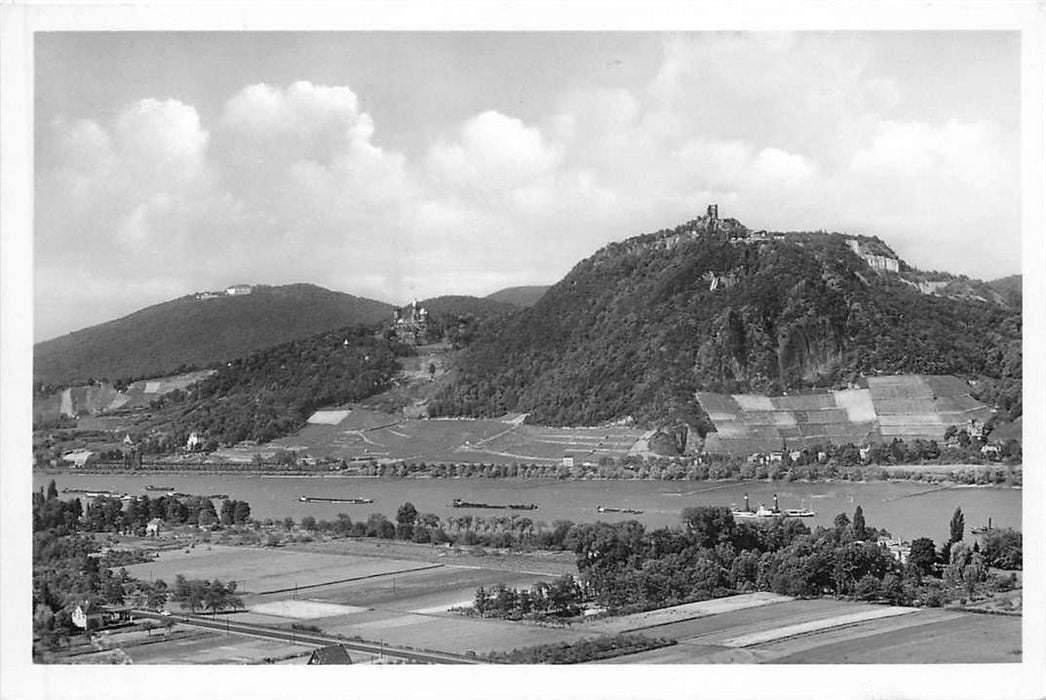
{"points": [[633, 331], [209, 328]]}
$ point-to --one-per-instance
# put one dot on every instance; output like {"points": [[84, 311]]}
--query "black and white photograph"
{"points": [[686, 350]]}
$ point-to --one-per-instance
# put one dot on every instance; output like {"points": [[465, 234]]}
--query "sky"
{"points": [[401, 165]]}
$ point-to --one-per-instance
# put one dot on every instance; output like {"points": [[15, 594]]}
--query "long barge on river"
{"points": [[324, 499], [608, 509], [458, 503]]}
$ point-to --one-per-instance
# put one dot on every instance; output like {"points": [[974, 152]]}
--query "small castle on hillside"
{"points": [[411, 324]]}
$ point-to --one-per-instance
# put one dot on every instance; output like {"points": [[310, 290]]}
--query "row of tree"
{"points": [[561, 597], [202, 594]]}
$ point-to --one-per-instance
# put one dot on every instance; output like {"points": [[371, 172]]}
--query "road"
{"points": [[302, 637]]}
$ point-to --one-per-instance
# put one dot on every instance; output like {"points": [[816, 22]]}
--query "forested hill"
{"points": [[272, 392], [198, 332], [638, 327], [522, 297], [454, 305]]}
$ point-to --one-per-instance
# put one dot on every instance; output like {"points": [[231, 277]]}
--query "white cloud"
{"points": [[492, 154], [291, 183]]}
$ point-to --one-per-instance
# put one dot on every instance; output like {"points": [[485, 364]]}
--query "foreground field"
{"points": [[405, 596], [829, 631]]}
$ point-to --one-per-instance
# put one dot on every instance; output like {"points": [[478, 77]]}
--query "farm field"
{"points": [[964, 638], [429, 591], [215, 648], [456, 634], [828, 631], [366, 433], [258, 570]]}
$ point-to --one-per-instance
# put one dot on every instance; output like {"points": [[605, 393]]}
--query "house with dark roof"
{"points": [[333, 654]]}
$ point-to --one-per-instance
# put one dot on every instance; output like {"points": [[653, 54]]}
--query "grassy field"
{"points": [[367, 433], [257, 570]]}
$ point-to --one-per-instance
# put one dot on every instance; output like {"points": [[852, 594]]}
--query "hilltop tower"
{"points": [[713, 217]]}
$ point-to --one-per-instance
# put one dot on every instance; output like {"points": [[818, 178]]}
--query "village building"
{"points": [[898, 550], [154, 528], [193, 442], [991, 450], [239, 290], [333, 654], [80, 458], [89, 616], [568, 461]]}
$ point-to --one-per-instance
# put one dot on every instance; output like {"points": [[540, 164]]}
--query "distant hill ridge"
{"points": [[640, 326], [523, 297], [199, 332]]}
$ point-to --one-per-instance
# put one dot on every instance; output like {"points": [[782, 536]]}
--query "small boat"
{"points": [[608, 509], [158, 488], [798, 513], [324, 499]]}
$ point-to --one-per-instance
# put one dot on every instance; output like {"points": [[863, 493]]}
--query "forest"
{"points": [[272, 393], [638, 327]]}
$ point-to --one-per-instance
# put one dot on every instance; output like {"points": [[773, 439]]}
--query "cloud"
{"points": [[492, 154], [291, 183]]}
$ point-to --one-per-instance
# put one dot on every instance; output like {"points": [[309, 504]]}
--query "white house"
{"points": [[79, 458], [154, 528]]}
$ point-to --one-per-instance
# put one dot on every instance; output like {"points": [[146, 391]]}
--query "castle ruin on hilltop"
{"points": [[411, 324]]}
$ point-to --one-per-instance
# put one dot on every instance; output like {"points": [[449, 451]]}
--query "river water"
{"points": [[906, 509]]}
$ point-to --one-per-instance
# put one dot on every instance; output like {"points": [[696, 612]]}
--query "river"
{"points": [[906, 509]]}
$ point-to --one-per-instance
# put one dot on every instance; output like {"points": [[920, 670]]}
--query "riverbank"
{"points": [[993, 474]]}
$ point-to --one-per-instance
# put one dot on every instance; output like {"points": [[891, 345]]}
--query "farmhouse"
{"points": [[89, 616], [239, 290], [333, 654]]}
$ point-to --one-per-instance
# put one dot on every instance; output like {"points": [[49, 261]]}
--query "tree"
{"points": [[1003, 548], [860, 531], [922, 555], [241, 512], [309, 523], [708, 526], [52, 491], [841, 522], [405, 519], [956, 526]]}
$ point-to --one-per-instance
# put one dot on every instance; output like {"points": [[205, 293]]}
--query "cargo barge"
{"points": [[324, 499], [458, 503]]}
